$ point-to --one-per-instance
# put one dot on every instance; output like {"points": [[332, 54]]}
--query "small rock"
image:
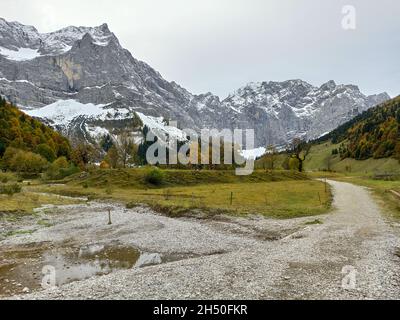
{"points": [[148, 259], [26, 290]]}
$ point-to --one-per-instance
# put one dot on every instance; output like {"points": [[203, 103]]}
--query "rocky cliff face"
{"points": [[281, 111], [83, 82]]}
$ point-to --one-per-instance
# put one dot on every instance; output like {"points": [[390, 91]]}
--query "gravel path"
{"points": [[238, 258]]}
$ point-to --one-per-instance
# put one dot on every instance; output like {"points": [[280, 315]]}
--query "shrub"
{"points": [[72, 169], [46, 152], [27, 162], [10, 189], [8, 155], [155, 177], [60, 169], [104, 165], [7, 177], [82, 155], [131, 205], [61, 163], [113, 157], [293, 164]]}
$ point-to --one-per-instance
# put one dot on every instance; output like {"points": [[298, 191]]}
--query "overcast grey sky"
{"points": [[220, 45]]}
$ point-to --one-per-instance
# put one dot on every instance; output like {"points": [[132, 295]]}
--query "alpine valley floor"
{"points": [[230, 257]]}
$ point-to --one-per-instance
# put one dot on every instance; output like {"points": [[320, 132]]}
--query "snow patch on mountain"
{"points": [[21, 54], [63, 112], [158, 126], [97, 132], [324, 134], [17, 81], [253, 153]]}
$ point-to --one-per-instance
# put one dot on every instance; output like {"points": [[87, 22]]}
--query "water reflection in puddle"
{"points": [[21, 266], [90, 261]]}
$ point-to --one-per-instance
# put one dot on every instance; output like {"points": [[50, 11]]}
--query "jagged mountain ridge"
{"points": [[281, 111], [89, 75]]}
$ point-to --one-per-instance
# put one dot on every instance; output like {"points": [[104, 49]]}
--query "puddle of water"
{"points": [[21, 266], [89, 261]]}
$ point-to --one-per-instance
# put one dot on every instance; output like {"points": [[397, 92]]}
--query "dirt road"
{"points": [[352, 254]]}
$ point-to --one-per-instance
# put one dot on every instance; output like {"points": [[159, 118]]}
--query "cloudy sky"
{"points": [[220, 45]]}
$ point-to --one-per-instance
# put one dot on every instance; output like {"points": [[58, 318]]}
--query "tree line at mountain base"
{"points": [[373, 134], [29, 147]]}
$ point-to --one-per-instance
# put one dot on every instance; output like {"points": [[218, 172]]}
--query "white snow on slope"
{"points": [[22, 54], [97, 132], [324, 134], [157, 126], [102, 41], [17, 81], [64, 111], [253, 153]]}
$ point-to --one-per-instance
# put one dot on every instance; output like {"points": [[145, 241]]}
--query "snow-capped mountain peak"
{"points": [[16, 38], [328, 86], [81, 80], [281, 111]]}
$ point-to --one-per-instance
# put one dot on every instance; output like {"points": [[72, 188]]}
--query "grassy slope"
{"points": [[26, 201], [317, 160], [279, 194], [279, 160], [135, 178]]}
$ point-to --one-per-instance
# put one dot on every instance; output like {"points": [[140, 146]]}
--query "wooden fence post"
{"points": [[109, 216]]}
